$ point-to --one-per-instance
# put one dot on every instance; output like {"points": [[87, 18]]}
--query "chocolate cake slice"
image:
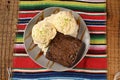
{"points": [[64, 50]]}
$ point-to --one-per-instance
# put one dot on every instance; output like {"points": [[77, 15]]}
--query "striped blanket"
{"points": [[92, 67]]}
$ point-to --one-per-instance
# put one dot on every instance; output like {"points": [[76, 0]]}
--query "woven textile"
{"points": [[92, 67]]}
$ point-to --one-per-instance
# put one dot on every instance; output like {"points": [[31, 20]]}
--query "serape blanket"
{"points": [[92, 67]]}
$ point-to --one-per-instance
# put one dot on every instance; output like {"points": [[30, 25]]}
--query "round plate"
{"points": [[35, 52]]}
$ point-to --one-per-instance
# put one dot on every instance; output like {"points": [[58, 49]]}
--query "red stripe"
{"points": [[91, 28], [98, 17], [84, 16], [19, 50], [24, 15], [90, 51], [24, 62], [91, 63], [21, 27], [96, 28]]}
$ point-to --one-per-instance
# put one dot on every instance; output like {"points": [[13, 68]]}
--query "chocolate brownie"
{"points": [[64, 50]]}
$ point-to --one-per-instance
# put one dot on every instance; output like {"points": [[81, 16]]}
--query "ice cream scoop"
{"points": [[65, 23], [42, 33]]}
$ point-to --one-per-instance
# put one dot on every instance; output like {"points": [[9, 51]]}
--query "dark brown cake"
{"points": [[64, 50]]}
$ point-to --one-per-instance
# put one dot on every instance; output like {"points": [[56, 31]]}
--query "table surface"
{"points": [[9, 11], [113, 37]]}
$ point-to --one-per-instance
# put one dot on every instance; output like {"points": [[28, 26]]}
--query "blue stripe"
{"points": [[23, 21], [27, 19], [95, 22], [60, 75], [57, 78]]}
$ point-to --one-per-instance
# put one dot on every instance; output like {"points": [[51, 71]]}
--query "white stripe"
{"points": [[23, 70], [19, 54], [97, 32], [91, 13], [90, 71], [45, 70], [98, 56], [26, 18], [36, 11], [94, 32], [92, 0], [87, 55], [97, 25], [91, 46], [22, 24], [94, 19], [19, 46], [98, 47], [20, 30]]}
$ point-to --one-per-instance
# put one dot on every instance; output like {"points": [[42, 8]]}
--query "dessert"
{"points": [[65, 23], [42, 33], [56, 36], [64, 50]]}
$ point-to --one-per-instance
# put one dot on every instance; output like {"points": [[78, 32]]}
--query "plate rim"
{"points": [[84, 53]]}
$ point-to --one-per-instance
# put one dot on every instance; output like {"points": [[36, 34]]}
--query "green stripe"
{"points": [[95, 39], [98, 39], [19, 35], [97, 36], [81, 6], [20, 40]]}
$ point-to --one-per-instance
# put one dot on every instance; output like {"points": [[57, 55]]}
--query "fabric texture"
{"points": [[92, 67]]}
